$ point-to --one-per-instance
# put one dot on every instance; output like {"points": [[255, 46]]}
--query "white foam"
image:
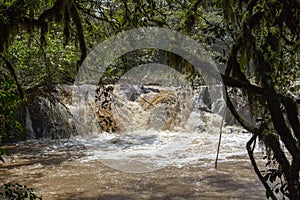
{"points": [[150, 149], [142, 145]]}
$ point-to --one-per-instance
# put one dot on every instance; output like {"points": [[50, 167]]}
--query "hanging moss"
{"points": [[80, 34]]}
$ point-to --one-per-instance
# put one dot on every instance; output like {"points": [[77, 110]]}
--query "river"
{"points": [[142, 161], [68, 170]]}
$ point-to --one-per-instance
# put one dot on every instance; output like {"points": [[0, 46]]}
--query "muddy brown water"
{"points": [[65, 174]]}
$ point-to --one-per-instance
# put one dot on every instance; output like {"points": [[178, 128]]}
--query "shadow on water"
{"points": [[139, 140], [83, 196], [172, 188], [223, 181], [42, 152]]}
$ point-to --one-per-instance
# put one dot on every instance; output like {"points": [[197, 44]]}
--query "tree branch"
{"points": [[55, 12], [14, 75], [80, 34], [232, 82], [237, 116], [253, 162], [273, 104], [292, 115]]}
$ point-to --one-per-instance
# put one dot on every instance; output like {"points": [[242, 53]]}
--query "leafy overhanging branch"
{"points": [[11, 25], [263, 68], [60, 12]]}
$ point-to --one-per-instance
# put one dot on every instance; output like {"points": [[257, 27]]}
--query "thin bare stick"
{"points": [[220, 138]]}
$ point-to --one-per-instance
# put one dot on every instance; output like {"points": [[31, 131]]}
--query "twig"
{"points": [[220, 138]]}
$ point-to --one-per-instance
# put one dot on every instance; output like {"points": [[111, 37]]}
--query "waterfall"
{"points": [[136, 107], [28, 122], [81, 104], [157, 125]]}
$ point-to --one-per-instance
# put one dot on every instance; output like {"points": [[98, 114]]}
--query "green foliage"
{"points": [[15, 191], [9, 104], [275, 176], [263, 55], [54, 63], [3, 152]]}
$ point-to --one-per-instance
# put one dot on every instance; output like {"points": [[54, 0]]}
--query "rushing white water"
{"points": [[148, 150], [31, 134], [142, 145]]}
